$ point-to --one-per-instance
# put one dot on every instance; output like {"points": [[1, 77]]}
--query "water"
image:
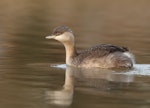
{"points": [[32, 70]]}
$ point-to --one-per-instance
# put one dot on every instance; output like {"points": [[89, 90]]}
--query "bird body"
{"points": [[102, 55]]}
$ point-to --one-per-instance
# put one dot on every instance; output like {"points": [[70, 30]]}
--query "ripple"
{"points": [[139, 69]]}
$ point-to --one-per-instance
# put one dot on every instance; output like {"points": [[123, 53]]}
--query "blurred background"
{"points": [[25, 23]]}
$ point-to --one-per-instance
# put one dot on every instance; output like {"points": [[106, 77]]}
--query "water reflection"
{"points": [[64, 96], [94, 78]]}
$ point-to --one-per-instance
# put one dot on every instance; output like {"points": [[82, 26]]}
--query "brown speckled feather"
{"points": [[100, 51], [103, 55]]}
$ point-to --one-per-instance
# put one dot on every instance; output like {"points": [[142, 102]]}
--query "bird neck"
{"points": [[70, 52]]}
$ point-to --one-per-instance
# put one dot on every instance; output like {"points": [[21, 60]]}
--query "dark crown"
{"points": [[60, 30]]}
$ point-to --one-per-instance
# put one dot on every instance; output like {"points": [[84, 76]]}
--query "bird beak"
{"points": [[50, 37]]}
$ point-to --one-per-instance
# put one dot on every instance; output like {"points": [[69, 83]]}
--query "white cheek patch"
{"points": [[59, 37], [63, 37]]}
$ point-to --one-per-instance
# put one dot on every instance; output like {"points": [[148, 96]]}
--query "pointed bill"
{"points": [[50, 37]]}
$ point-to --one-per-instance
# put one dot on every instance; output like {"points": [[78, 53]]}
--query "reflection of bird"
{"points": [[103, 55], [93, 80], [64, 96]]}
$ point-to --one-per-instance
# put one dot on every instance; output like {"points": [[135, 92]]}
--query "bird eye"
{"points": [[58, 33]]}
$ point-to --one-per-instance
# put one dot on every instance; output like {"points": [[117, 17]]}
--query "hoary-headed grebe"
{"points": [[103, 55]]}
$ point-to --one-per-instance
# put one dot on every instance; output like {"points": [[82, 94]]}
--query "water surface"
{"points": [[30, 74]]}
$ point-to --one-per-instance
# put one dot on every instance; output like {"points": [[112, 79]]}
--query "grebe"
{"points": [[103, 55]]}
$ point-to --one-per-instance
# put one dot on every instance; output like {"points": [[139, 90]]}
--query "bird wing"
{"points": [[102, 50]]}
